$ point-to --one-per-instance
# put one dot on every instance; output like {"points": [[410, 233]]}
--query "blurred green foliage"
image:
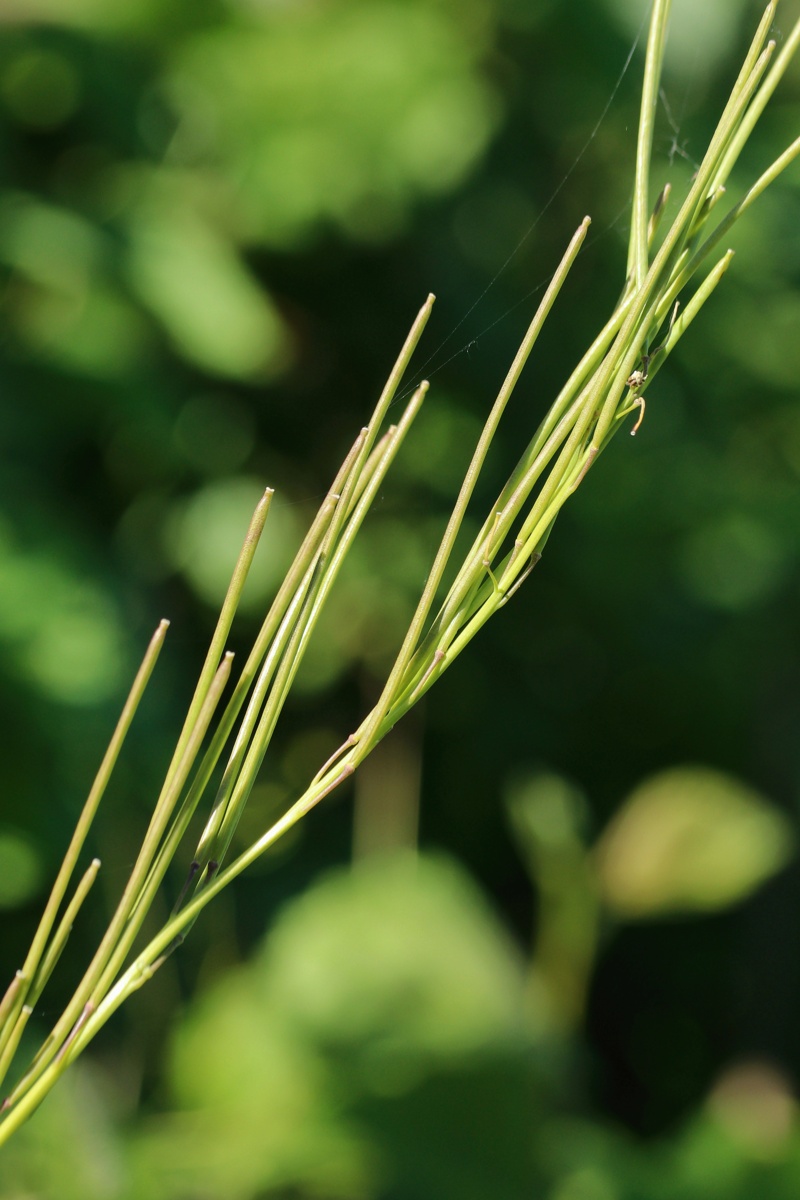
{"points": [[216, 220], [689, 839]]}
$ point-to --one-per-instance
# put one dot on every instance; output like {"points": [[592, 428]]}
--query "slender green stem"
{"points": [[119, 941], [762, 183], [39, 944], [121, 930], [416, 626], [221, 631], [63, 930], [640, 214], [600, 393]]}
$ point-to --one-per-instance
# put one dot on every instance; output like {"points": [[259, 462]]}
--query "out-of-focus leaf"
{"points": [[20, 869], [41, 88], [51, 246], [700, 35], [733, 563], [334, 113], [193, 280], [547, 813], [398, 959], [67, 309], [375, 985], [64, 631], [261, 1110], [753, 1102], [72, 1150], [689, 840], [206, 530]]}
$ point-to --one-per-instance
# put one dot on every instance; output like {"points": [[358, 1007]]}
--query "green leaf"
{"points": [[690, 839], [398, 959], [389, 986], [192, 279]]}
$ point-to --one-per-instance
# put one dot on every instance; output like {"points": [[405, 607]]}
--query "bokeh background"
{"points": [[546, 945]]}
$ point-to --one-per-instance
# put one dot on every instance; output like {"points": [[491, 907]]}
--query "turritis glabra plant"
{"points": [[673, 266]]}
